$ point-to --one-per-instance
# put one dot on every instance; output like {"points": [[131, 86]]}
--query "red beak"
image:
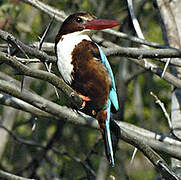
{"points": [[99, 24]]}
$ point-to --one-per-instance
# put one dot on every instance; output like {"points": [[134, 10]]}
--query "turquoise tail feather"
{"points": [[108, 142]]}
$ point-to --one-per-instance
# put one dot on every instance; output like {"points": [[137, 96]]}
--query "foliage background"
{"points": [[77, 143]]}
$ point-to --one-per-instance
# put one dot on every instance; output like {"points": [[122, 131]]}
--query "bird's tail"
{"points": [[103, 116]]}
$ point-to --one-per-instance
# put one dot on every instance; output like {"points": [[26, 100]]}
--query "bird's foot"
{"points": [[85, 99]]}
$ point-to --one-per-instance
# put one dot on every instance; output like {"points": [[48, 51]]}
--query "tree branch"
{"points": [[27, 49], [143, 53], [16, 103], [162, 106], [61, 112], [133, 52], [46, 76], [113, 50], [158, 141], [158, 71], [156, 160], [134, 39], [59, 15], [47, 106], [9, 176], [127, 52]]}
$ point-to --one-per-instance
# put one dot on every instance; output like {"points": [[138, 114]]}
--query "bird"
{"points": [[85, 68]]}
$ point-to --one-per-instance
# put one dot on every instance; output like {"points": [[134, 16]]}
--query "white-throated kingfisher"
{"points": [[85, 68]]}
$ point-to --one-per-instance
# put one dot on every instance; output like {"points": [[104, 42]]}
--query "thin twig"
{"points": [[163, 109], [134, 20], [165, 68], [28, 61], [14, 43], [83, 163], [158, 71], [21, 140], [92, 150], [42, 39], [133, 155]]}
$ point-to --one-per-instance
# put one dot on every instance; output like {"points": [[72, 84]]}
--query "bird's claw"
{"points": [[85, 99]]}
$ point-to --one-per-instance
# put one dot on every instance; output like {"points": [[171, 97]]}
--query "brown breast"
{"points": [[90, 76]]}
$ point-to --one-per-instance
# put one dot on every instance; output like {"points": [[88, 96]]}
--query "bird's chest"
{"points": [[65, 48], [92, 80]]}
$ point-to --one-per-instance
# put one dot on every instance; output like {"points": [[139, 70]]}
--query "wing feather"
{"points": [[112, 94]]}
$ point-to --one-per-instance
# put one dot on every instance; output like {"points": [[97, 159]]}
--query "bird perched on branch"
{"points": [[85, 68]]}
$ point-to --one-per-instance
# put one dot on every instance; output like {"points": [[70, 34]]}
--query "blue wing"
{"points": [[112, 98], [112, 94]]}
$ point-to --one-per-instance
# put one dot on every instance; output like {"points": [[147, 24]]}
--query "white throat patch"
{"points": [[65, 47]]}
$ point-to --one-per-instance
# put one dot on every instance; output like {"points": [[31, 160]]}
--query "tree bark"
{"points": [[172, 20]]}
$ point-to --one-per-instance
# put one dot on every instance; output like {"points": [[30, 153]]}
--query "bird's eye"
{"points": [[79, 20]]}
